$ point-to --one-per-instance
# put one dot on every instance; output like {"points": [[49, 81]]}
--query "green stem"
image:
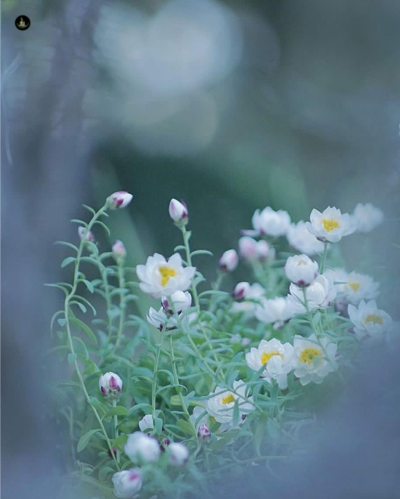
{"points": [[68, 298], [155, 371], [323, 260], [178, 388], [114, 403], [108, 301], [121, 278]]}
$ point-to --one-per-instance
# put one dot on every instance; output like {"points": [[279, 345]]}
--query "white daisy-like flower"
{"points": [[367, 217], [300, 238], [252, 296], [360, 287], [330, 225], [270, 222], [319, 294], [339, 277], [156, 318], [275, 311], [127, 483], [276, 359], [141, 447], [313, 360], [178, 302], [161, 277], [146, 423], [368, 320], [221, 403], [301, 270]]}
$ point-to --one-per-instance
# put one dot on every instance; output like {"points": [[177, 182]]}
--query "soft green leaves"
{"points": [[84, 440], [67, 261]]}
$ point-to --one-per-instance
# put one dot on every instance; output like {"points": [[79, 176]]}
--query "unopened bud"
{"points": [[240, 290], [203, 432], [178, 212], [229, 261], [118, 250], [110, 385], [119, 199], [85, 235], [178, 302], [179, 454]]}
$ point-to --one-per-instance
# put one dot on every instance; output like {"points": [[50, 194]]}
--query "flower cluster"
{"points": [[208, 369]]}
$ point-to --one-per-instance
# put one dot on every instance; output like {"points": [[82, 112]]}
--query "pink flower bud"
{"points": [[229, 261], [248, 248], [240, 291], [118, 250], [85, 235], [264, 250], [119, 199], [178, 212], [203, 432], [110, 385]]}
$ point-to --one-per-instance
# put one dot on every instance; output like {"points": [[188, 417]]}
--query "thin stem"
{"points": [[121, 278], [178, 388], [108, 301], [114, 403], [155, 370], [323, 260], [68, 298]]}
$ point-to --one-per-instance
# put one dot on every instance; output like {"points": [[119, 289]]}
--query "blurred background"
{"points": [[229, 105]]}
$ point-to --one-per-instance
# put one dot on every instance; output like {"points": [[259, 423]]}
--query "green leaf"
{"points": [[89, 209], [62, 322], [158, 423], [236, 415], [69, 245], [143, 406], [201, 252], [58, 286], [175, 400], [80, 305], [104, 226], [80, 324], [84, 440], [89, 285], [118, 410], [186, 427], [97, 405], [71, 358], [67, 261]]}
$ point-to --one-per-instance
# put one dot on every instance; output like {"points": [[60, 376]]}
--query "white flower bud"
{"points": [[240, 291], [110, 385], [301, 270], [264, 251], [203, 432], [248, 248], [118, 250], [179, 454], [229, 261], [178, 302], [119, 199], [141, 447], [85, 235], [178, 212], [146, 423], [127, 483]]}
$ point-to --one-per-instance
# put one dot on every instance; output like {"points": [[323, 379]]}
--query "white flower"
{"points": [[360, 287], [160, 277], [368, 320], [110, 385], [119, 199], [240, 290], [276, 359], [118, 250], [252, 296], [339, 277], [319, 294], [330, 225], [146, 423], [229, 261], [300, 238], [178, 212], [204, 420], [301, 270], [141, 447], [156, 319], [178, 302], [127, 483], [271, 223], [221, 404], [275, 311], [251, 250], [85, 235], [367, 217], [179, 454], [313, 361]]}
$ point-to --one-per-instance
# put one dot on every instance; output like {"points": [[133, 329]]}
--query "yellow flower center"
{"points": [[228, 399], [375, 319], [308, 355], [267, 355], [355, 286], [166, 274], [330, 224]]}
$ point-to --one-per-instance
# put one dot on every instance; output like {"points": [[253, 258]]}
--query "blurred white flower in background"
{"points": [[353, 287], [367, 217], [164, 66], [127, 483], [270, 222], [146, 423], [300, 238], [275, 311], [369, 320], [252, 296]]}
